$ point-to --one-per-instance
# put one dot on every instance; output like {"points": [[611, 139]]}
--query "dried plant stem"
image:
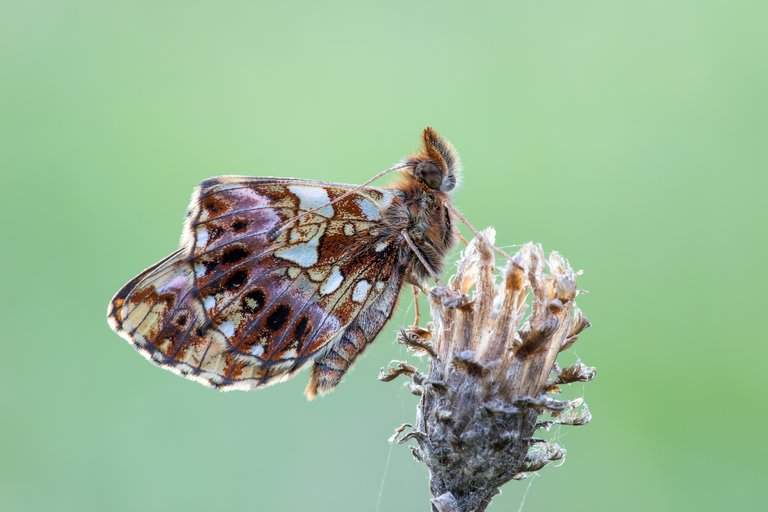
{"points": [[492, 373]]}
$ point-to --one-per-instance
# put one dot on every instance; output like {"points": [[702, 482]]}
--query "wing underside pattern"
{"points": [[242, 304]]}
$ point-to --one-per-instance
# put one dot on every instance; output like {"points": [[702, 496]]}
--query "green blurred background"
{"points": [[631, 136]]}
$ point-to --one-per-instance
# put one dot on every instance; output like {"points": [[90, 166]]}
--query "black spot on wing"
{"points": [[236, 279], [299, 331], [301, 327], [253, 301], [278, 316], [213, 205], [234, 254], [239, 225]]}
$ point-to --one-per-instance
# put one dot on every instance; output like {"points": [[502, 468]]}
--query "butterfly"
{"points": [[276, 274]]}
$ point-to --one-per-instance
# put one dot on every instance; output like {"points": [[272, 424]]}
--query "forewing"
{"points": [[242, 304]]}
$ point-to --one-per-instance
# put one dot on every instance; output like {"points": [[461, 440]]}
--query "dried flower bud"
{"points": [[493, 347]]}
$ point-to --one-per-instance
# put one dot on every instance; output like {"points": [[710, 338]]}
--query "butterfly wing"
{"points": [[242, 305]]}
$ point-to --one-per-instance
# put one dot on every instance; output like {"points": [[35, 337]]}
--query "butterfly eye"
{"points": [[429, 174]]}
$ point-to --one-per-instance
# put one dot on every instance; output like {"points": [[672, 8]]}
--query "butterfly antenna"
{"points": [[282, 226], [461, 237], [463, 219]]}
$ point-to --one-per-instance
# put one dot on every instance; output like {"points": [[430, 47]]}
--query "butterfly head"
{"points": [[437, 166]]}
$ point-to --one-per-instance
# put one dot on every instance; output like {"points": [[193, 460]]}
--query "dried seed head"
{"points": [[493, 342]]}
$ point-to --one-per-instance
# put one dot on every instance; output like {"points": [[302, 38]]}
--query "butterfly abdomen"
{"points": [[330, 367]]}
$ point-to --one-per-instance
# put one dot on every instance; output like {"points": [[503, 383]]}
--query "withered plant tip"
{"points": [[492, 343]]}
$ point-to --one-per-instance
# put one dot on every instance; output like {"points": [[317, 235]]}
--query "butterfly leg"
{"points": [[420, 256], [416, 305]]}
